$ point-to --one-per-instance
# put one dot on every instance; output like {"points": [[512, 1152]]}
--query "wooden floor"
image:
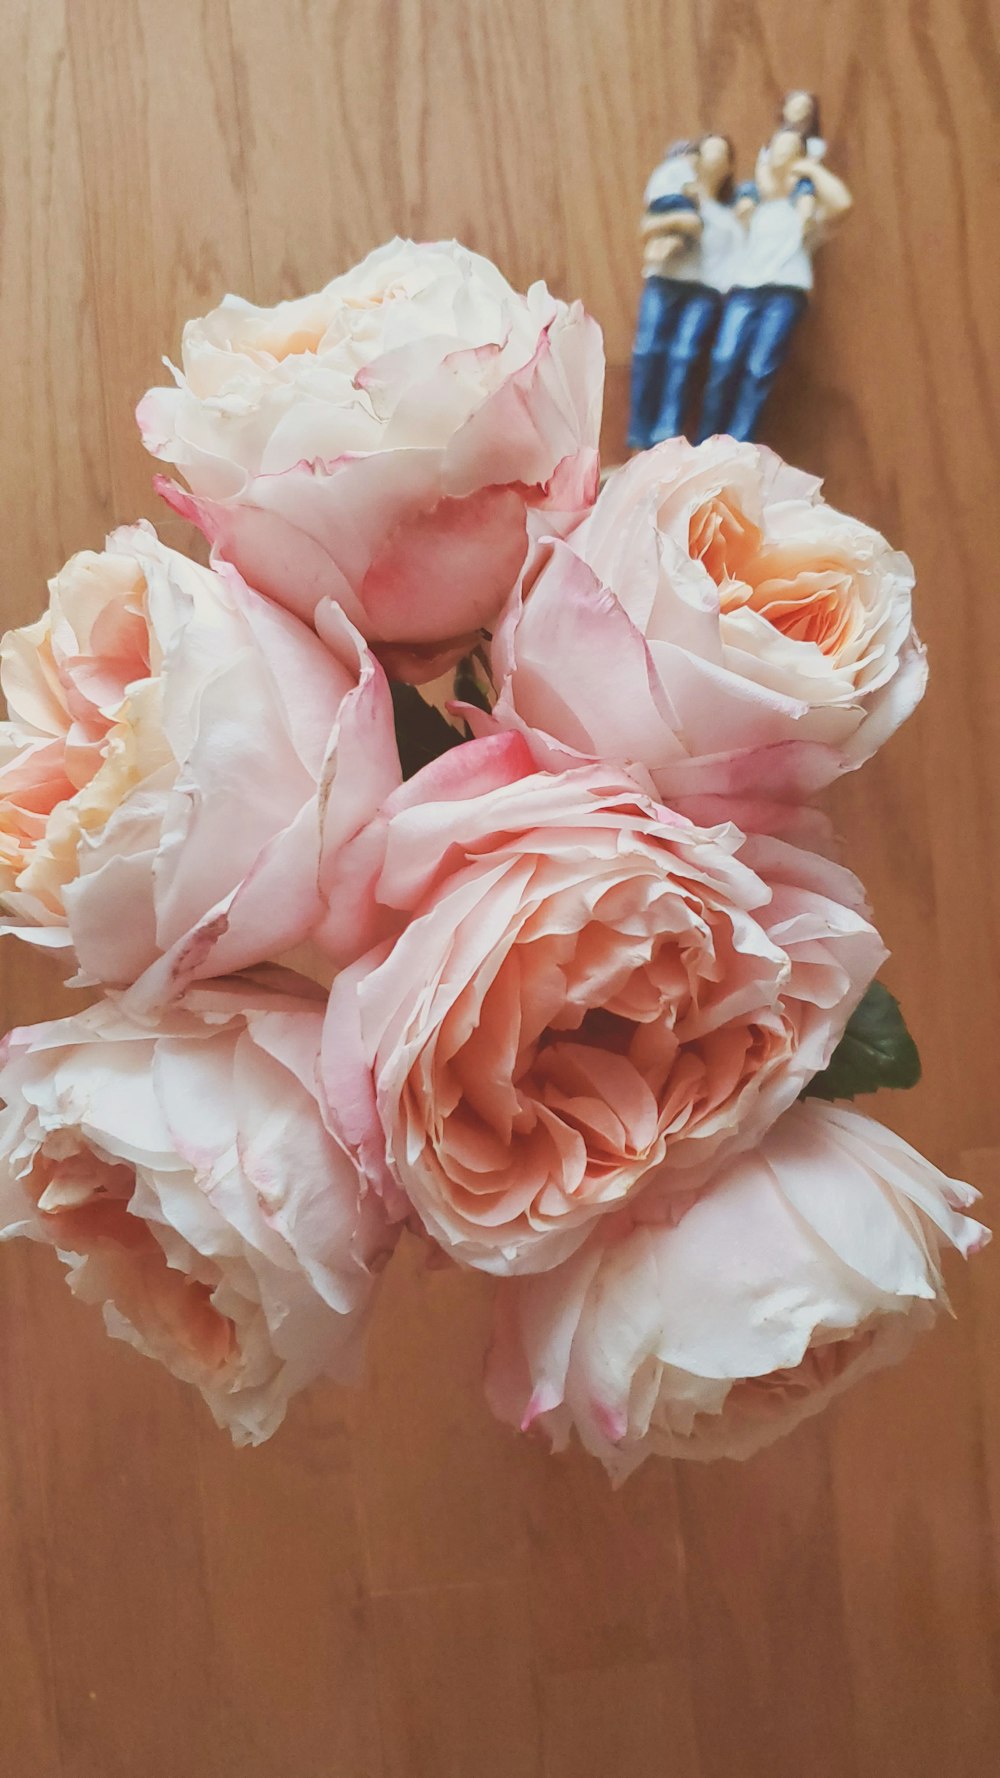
{"points": [[396, 1587]]}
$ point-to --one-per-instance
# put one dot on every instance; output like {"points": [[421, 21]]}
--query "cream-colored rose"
{"points": [[715, 623], [583, 1002], [184, 1176], [381, 443], [175, 745], [804, 1264]]}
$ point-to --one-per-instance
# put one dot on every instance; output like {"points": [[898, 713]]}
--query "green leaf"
{"points": [[875, 1051], [468, 687], [422, 733]]}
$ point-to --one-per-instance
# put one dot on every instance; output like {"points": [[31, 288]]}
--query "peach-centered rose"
{"points": [[187, 1182], [380, 444], [174, 744], [804, 1265], [715, 623], [586, 998]]}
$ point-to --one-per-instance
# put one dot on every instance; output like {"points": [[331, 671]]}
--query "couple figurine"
{"points": [[730, 265]]}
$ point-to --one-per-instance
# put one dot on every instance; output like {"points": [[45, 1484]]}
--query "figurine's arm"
{"points": [[686, 223], [745, 201], [829, 201], [666, 234]]}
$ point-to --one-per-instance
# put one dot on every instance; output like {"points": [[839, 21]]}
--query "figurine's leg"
{"points": [[649, 359], [778, 320], [691, 333], [727, 362]]}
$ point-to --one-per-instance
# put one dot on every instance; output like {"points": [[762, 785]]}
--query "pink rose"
{"points": [[172, 743], [574, 995], [185, 1179], [380, 444], [714, 623], [809, 1262]]}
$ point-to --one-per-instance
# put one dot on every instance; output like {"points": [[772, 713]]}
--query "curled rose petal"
{"points": [[382, 444], [575, 999], [714, 625], [186, 1180], [806, 1263], [177, 752]]}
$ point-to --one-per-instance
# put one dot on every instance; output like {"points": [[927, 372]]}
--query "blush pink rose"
{"points": [[573, 996], [173, 743], [379, 445], [714, 624], [185, 1178], [808, 1262]]}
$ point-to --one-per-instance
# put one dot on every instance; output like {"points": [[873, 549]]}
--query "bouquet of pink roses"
{"points": [[532, 769]]}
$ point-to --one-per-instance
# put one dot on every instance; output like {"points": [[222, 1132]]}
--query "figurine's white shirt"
{"points": [[714, 258], [673, 178], [774, 251], [722, 245]]}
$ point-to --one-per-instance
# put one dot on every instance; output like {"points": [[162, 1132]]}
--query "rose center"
{"points": [[592, 1053], [814, 603], [83, 1200]]}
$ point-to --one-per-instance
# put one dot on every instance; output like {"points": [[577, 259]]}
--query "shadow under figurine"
{"points": [[736, 264]]}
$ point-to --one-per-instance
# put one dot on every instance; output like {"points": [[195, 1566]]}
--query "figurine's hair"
{"points": [[683, 145], [812, 125]]}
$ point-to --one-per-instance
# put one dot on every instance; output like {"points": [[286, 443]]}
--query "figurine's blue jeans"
{"points": [[749, 350], [675, 320]]}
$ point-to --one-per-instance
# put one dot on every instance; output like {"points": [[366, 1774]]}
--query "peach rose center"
{"points": [[298, 342], [83, 1200], [593, 1051], [55, 788], [271, 337], [811, 600], [30, 789]]}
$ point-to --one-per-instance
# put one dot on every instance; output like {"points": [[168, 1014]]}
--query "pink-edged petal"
{"points": [[347, 1091], [605, 699]]}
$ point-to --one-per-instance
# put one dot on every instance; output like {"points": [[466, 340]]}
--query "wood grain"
{"points": [[397, 1587]]}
